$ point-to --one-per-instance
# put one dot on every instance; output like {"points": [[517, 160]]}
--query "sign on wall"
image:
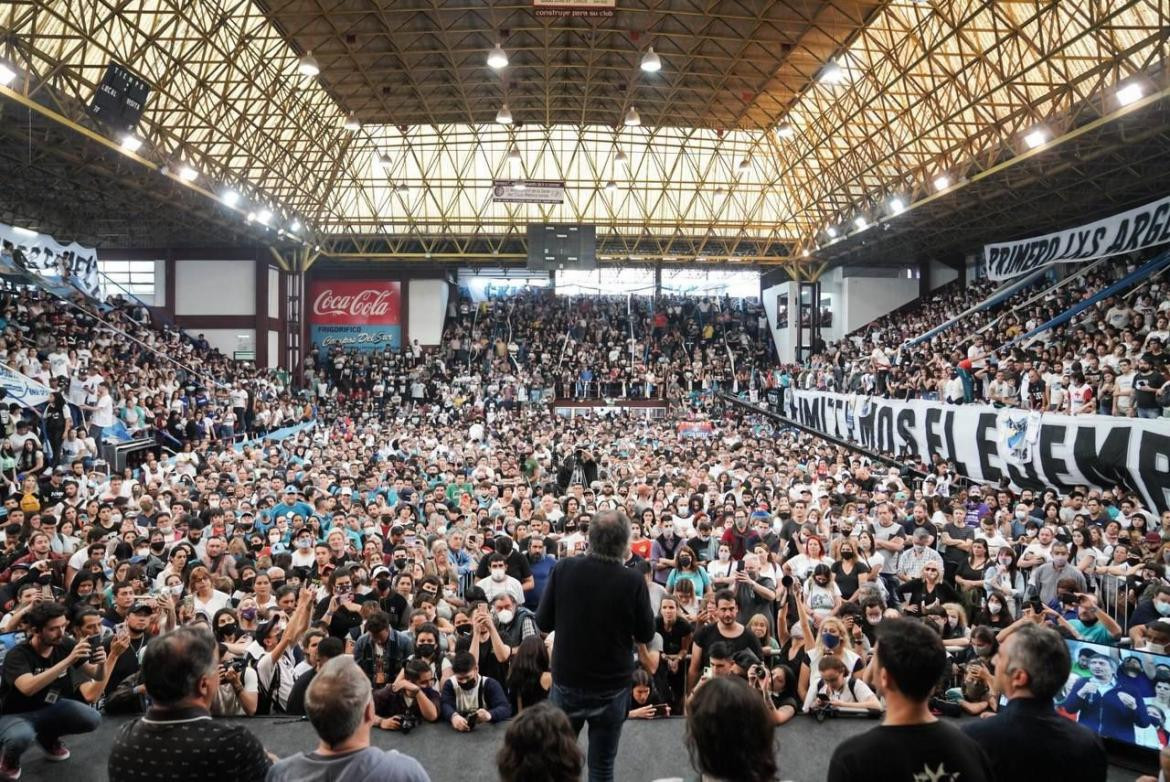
{"points": [[1136, 229], [528, 191], [361, 314], [988, 444]]}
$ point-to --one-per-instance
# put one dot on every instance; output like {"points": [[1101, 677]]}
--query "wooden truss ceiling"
{"points": [[945, 86]]}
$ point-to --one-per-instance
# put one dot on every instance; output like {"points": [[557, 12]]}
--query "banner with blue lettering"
{"points": [[1137, 229], [22, 389], [989, 444]]}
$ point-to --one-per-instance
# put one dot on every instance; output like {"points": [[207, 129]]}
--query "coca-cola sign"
{"points": [[354, 303]]}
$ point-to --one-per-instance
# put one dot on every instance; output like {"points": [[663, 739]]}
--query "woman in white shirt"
{"points": [[207, 599], [722, 570], [802, 565]]}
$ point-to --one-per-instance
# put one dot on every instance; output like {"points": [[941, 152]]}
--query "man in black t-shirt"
{"points": [[727, 629], [39, 689], [1146, 382], [911, 743]]}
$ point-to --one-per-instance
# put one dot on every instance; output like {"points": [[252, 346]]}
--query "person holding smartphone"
{"points": [[39, 689]]}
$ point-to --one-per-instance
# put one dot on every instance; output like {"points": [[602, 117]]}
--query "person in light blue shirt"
{"points": [[1094, 625], [290, 504]]}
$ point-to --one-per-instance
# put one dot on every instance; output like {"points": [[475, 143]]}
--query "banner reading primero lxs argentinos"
{"points": [[361, 314], [1137, 229], [1031, 450]]}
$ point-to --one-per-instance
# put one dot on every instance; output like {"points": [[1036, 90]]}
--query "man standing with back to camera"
{"points": [[598, 609]]}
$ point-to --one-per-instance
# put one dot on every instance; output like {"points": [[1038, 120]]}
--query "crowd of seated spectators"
{"points": [[530, 345], [409, 536], [1111, 359]]}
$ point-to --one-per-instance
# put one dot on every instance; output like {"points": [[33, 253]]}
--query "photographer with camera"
{"points": [[838, 691], [645, 701], [469, 699], [410, 700], [40, 698]]}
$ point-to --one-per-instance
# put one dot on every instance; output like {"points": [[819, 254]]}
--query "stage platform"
{"points": [[649, 750]]}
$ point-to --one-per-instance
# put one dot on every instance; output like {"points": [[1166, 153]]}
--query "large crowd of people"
{"points": [[388, 567], [1110, 359]]}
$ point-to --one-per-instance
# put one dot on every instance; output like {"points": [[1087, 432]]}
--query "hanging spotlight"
{"points": [[131, 143], [263, 216], [188, 174], [861, 222], [402, 189], [720, 191], [1130, 93], [610, 186], [942, 182], [497, 58], [1036, 138], [897, 206], [651, 62], [504, 115], [621, 159], [308, 65], [831, 232], [7, 74], [632, 118], [745, 165], [352, 124], [805, 253], [230, 197], [294, 226], [514, 156], [785, 130]]}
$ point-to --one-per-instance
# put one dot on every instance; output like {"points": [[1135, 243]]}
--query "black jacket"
{"points": [[1029, 741]]}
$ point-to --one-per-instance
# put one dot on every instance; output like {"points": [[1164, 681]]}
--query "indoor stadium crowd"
{"points": [[401, 542], [1110, 359]]}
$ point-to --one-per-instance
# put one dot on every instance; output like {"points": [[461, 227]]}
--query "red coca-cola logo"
{"points": [[355, 303], [367, 304]]}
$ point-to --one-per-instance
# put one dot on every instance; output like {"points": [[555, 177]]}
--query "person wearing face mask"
{"points": [[688, 568], [664, 551], [914, 560], [1004, 580], [302, 552], [468, 699], [1148, 611], [498, 580], [1045, 577]]}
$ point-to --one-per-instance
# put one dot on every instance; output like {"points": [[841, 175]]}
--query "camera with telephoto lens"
{"points": [[786, 582], [408, 722], [758, 672], [472, 718]]}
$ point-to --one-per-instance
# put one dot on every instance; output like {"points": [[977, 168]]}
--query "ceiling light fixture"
{"points": [[651, 62], [745, 165], [1036, 138], [897, 206], [402, 189], [831, 232], [131, 143], [861, 222], [719, 191], [621, 159], [230, 197], [942, 182], [785, 130], [308, 65], [804, 254], [497, 58], [294, 226], [632, 118], [514, 156], [188, 174], [610, 186], [504, 115], [832, 73], [263, 216], [1130, 93], [7, 74], [352, 124]]}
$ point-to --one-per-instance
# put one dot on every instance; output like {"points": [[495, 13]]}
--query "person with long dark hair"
{"points": [[729, 732], [529, 678]]}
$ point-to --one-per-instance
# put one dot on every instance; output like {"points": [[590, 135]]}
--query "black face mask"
{"points": [[228, 630], [684, 561], [158, 548], [471, 685], [277, 583], [383, 584], [399, 563], [425, 650], [247, 584]]}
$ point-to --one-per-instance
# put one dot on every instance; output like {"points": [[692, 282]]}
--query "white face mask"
{"points": [[499, 575], [724, 556], [505, 616]]}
